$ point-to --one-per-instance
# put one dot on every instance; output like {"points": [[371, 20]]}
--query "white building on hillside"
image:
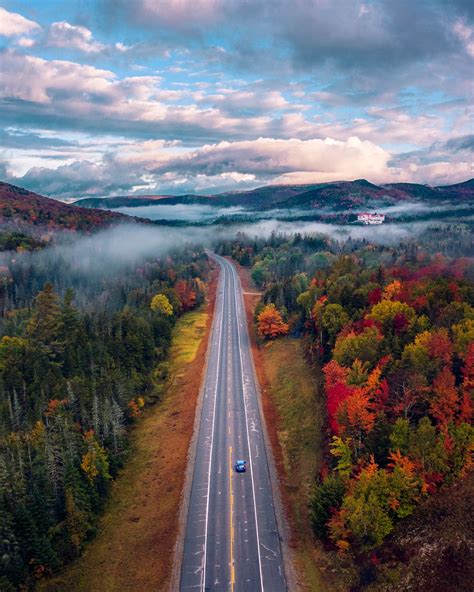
{"points": [[367, 218]]}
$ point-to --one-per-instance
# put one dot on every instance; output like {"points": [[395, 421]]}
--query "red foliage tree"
{"points": [[381, 396], [374, 296], [336, 389], [465, 411], [334, 374], [440, 346], [186, 294], [356, 417], [335, 396], [400, 323]]}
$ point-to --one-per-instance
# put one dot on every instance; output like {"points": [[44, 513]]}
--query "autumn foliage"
{"points": [[270, 323], [30, 209], [389, 332], [186, 294], [406, 377]]}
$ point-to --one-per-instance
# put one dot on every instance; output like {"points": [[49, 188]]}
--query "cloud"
{"points": [[440, 163], [65, 35], [19, 139], [181, 13], [12, 24], [292, 159], [390, 126], [223, 166], [80, 179], [247, 102], [184, 16], [163, 168], [357, 35], [465, 34], [42, 81], [368, 37], [319, 90], [61, 94]]}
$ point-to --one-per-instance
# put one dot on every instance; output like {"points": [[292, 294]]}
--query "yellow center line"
{"points": [[231, 495]]}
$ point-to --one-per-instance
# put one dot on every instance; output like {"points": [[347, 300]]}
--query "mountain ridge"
{"points": [[20, 208], [336, 194]]}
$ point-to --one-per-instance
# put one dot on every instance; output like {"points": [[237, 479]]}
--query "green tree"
{"points": [[333, 319], [386, 311], [426, 448], [259, 273], [366, 511], [95, 463], [45, 327], [463, 335], [341, 449], [400, 435], [364, 347], [327, 498]]}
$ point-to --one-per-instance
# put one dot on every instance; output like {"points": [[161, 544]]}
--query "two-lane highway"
{"points": [[231, 539]]}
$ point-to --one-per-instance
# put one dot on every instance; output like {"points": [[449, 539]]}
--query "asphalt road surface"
{"points": [[231, 539]]}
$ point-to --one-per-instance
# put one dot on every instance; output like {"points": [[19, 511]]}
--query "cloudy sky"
{"points": [[107, 97]]}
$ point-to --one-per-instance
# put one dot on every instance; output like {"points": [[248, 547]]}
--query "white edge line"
{"points": [[203, 577], [246, 424]]}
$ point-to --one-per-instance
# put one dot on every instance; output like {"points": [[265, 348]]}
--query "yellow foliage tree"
{"points": [[161, 305], [95, 462]]}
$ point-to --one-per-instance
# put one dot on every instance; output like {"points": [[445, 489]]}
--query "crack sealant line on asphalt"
{"points": [[231, 495]]}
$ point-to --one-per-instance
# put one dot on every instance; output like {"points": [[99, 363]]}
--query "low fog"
{"points": [[103, 266], [108, 251], [206, 214], [181, 212]]}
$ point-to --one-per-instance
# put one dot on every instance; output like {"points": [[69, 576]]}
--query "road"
{"points": [[231, 540]]}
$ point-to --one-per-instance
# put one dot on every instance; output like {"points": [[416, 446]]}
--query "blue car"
{"points": [[240, 466]]}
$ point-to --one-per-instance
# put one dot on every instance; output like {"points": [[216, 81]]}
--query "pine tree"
{"points": [[45, 327]]}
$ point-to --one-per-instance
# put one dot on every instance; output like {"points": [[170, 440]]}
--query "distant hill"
{"points": [[20, 208], [120, 201], [339, 195]]}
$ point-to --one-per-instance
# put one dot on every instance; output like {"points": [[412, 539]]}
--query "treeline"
{"points": [[392, 330], [18, 241], [72, 378]]}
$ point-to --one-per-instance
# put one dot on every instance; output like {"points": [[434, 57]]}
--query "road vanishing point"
{"points": [[231, 540]]}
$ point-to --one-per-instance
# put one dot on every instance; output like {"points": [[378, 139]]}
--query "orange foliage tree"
{"points": [[444, 404], [270, 323], [356, 417]]}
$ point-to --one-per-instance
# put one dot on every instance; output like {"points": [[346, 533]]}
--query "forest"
{"points": [[85, 330], [81, 355], [389, 333]]}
